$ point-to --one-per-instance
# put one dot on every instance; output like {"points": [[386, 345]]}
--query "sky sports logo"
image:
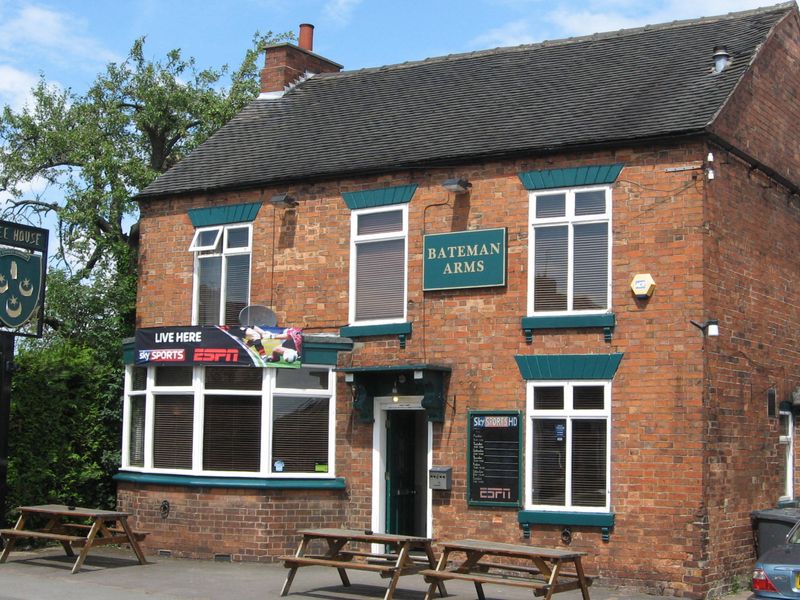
{"points": [[165, 355]]}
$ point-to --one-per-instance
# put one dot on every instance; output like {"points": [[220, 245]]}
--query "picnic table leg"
{"points": [[479, 590], [123, 521], [581, 578], [401, 560], [10, 541], [86, 546], [52, 525], [553, 580], [432, 563], [440, 566], [293, 570], [334, 546]]}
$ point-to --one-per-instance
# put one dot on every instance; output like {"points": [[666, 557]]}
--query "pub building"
{"points": [[543, 294]]}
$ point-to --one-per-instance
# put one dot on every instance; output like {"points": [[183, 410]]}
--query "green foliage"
{"points": [[65, 423], [96, 151]]}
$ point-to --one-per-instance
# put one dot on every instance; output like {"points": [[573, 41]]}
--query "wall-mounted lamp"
{"points": [[395, 397], [457, 186], [710, 328], [283, 201]]}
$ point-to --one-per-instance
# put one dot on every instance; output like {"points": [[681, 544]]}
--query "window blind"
{"points": [[172, 431], [209, 289], [300, 433], [232, 433], [590, 278], [136, 438], [549, 461], [380, 279], [551, 268], [237, 286], [588, 462]]}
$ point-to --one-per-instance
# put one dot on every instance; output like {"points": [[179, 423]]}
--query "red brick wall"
{"points": [[246, 525], [657, 432], [751, 251]]}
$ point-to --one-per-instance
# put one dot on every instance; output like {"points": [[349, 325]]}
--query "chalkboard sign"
{"points": [[495, 458]]}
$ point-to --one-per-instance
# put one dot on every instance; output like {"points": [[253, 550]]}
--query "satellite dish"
{"points": [[257, 314]]}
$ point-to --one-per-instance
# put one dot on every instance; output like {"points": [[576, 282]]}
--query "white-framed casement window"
{"points": [[234, 421], [786, 424], [221, 273], [378, 264], [570, 251], [568, 446]]}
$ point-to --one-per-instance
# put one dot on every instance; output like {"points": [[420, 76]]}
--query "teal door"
{"points": [[406, 476]]}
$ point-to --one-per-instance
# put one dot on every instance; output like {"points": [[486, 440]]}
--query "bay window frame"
{"points": [[198, 390]]}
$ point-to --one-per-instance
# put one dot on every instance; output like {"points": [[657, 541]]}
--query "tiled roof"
{"points": [[608, 88]]}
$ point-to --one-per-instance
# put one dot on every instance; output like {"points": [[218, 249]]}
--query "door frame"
{"points": [[383, 404]]}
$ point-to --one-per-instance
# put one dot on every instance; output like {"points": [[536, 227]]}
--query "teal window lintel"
{"points": [[565, 367], [337, 483], [606, 321], [545, 179], [222, 215], [380, 197]]}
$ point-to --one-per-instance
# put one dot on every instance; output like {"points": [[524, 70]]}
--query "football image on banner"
{"points": [[253, 346]]}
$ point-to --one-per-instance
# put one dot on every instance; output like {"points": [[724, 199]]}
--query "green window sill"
{"points": [[259, 483], [605, 521], [604, 321], [402, 330]]}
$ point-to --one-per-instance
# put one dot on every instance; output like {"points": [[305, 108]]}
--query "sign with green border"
{"points": [[464, 259], [494, 458]]}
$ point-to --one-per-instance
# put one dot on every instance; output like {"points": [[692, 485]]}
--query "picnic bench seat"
{"points": [[29, 533], [538, 586], [299, 561], [139, 535]]}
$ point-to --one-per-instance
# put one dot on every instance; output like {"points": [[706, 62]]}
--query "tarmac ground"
{"points": [[115, 574]]}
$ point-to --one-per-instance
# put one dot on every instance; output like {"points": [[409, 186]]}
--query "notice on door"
{"points": [[494, 458]]}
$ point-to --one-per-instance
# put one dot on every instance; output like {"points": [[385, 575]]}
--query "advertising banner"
{"points": [[220, 345]]}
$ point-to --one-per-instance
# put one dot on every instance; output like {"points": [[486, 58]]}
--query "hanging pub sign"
{"points": [[464, 259], [494, 458], [252, 346], [23, 265]]}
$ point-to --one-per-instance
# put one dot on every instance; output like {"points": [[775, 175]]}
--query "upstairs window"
{"points": [[570, 251], [786, 425], [221, 274], [378, 251]]}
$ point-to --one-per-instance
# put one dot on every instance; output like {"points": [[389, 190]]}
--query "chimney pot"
{"points": [[306, 41]]}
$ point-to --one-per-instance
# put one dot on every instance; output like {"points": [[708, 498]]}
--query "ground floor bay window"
{"points": [[235, 421]]}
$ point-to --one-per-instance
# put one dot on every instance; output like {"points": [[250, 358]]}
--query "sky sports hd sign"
{"points": [[464, 259]]}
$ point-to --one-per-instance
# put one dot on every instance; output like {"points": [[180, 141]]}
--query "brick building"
{"points": [[563, 271]]}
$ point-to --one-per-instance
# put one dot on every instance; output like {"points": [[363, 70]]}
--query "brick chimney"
{"points": [[286, 63]]}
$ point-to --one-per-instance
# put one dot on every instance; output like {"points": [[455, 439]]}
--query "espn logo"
{"points": [[216, 355]]}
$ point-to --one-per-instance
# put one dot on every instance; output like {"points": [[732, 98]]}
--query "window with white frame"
{"points": [[567, 446], [786, 424], [570, 251], [378, 250], [222, 273], [229, 421]]}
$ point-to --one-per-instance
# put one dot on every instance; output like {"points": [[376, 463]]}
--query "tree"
{"points": [[96, 151]]}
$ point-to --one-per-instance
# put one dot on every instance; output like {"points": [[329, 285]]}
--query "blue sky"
{"points": [[71, 41]]}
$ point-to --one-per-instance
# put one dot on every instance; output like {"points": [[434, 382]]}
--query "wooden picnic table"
{"points": [[345, 551], [104, 527], [539, 569]]}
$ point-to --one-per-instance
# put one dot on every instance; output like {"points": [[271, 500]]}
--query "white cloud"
{"points": [[15, 86], [340, 11], [62, 38], [510, 34]]}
